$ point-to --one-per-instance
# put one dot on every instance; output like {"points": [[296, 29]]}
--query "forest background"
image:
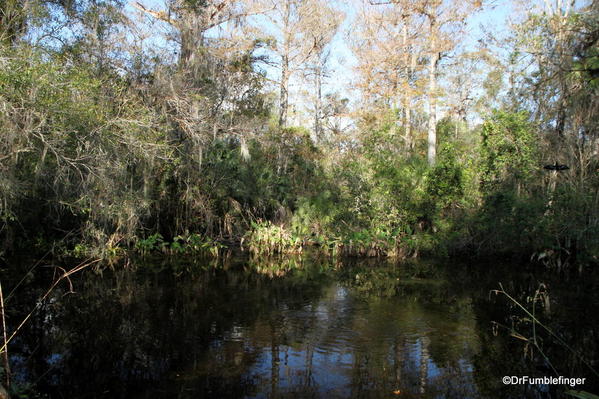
{"points": [[370, 128]]}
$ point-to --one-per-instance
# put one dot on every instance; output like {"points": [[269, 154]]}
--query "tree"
{"points": [[508, 150], [293, 44], [13, 19], [319, 28], [192, 19], [445, 21], [389, 47], [398, 26]]}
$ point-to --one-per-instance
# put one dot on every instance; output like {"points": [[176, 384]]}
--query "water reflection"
{"points": [[237, 330]]}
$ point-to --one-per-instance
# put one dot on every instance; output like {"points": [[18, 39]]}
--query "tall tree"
{"points": [[319, 28], [191, 19], [558, 43], [445, 22], [290, 45], [388, 47]]}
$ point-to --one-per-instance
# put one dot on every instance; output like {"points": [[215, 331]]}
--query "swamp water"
{"points": [[269, 329]]}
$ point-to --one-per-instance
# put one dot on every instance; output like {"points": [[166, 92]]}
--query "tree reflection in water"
{"points": [[292, 327]]}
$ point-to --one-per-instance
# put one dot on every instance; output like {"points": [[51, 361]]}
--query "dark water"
{"points": [[361, 329]]}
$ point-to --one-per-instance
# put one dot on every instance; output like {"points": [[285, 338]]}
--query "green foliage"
{"points": [[182, 244], [104, 153], [154, 242], [508, 149], [195, 243], [77, 148], [445, 181], [266, 238], [587, 68], [370, 243], [316, 216], [510, 223]]}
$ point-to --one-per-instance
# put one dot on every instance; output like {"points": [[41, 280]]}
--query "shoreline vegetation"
{"points": [[110, 145]]}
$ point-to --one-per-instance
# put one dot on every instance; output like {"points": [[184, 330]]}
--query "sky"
{"points": [[341, 76], [343, 61]]}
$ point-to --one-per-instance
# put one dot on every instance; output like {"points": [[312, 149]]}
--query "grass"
{"points": [[542, 296], [266, 238]]}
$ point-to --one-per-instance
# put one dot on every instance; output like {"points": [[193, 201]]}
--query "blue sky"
{"points": [[342, 61]]}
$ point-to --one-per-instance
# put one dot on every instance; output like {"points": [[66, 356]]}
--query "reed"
{"points": [[541, 296], [266, 238], [6, 339]]}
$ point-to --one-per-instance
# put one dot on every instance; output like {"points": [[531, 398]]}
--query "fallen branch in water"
{"points": [[535, 321], [65, 275], [4, 352]]}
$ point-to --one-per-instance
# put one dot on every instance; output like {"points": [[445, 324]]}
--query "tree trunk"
{"points": [[284, 104], [284, 84], [407, 98], [432, 96], [318, 104]]}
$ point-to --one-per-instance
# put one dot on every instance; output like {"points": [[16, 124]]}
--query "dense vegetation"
{"points": [[129, 129]]}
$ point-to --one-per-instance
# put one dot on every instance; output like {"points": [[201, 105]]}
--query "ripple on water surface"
{"points": [[366, 332]]}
